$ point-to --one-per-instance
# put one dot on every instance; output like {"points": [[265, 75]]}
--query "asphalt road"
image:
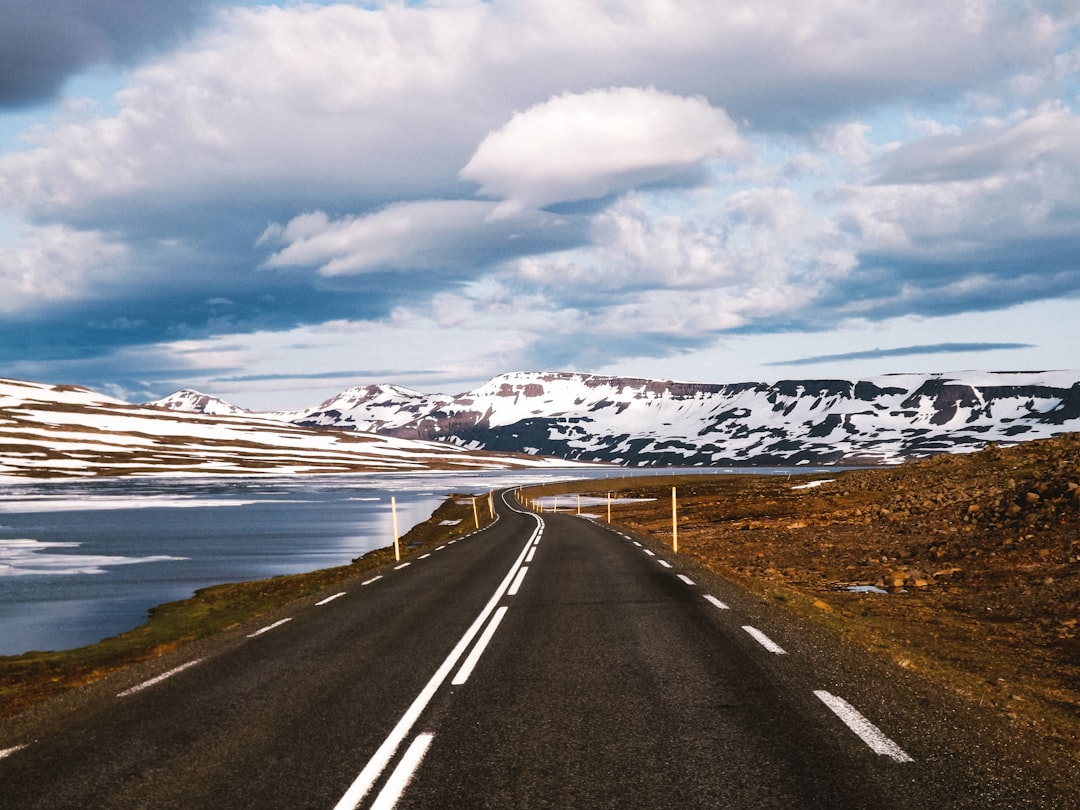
{"points": [[546, 661]]}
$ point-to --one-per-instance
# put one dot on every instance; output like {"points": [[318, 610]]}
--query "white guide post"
{"points": [[393, 518], [674, 523]]}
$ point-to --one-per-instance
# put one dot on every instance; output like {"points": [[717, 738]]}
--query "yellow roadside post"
{"points": [[393, 518], [674, 523]]}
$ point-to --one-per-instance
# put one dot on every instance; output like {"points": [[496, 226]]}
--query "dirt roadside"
{"points": [[963, 568]]}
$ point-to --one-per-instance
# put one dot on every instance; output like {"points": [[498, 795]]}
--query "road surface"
{"points": [[547, 661]]}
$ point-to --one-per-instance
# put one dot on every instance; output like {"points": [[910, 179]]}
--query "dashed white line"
{"points": [[517, 581], [7, 752], [478, 650], [636, 543], [530, 555], [866, 731], [650, 553], [269, 627], [159, 678], [373, 579], [403, 565], [440, 548], [329, 599], [664, 563], [382, 756], [424, 556], [403, 773], [764, 640], [715, 602], [685, 579]]}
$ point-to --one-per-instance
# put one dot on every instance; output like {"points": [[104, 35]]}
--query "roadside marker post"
{"points": [[475, 514], [393, 518], [674, 523]]}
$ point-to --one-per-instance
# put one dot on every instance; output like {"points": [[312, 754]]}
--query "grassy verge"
{"points": [[32, 678]]}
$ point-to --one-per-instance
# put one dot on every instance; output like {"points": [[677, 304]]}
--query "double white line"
{"points": [[378, 763]]}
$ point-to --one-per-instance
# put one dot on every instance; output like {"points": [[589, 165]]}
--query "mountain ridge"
{"points": [[65, 431], [644, 421]]}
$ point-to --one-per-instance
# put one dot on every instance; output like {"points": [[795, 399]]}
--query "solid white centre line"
{"points": [[403, 565], [764, 640], [517, 581], [403, 773], [269, 627], [381, 758], [478, 650], [867, 731], [664, 563], [685, 579], [716, 602], [159, 678], [329, 599], [373, 579]]}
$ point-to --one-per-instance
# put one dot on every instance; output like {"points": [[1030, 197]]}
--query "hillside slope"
{"points": [[66, 431]]}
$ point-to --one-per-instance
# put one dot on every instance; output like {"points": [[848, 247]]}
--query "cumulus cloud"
{"points": [[983, 218], [586, 145], [54, 264]]}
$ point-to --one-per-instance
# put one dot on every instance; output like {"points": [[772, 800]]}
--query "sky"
{"points": [[272, 202]]}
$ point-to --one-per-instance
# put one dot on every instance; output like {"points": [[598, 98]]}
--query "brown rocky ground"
{"points": [[978, 558]]}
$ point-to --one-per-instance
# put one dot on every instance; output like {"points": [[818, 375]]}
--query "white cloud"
{"points": [[51, 264], [425, 235], [579, 146], [970, 194]]}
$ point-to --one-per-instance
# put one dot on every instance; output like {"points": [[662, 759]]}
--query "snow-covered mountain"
{"points": [[67, 431], [656, 422]]}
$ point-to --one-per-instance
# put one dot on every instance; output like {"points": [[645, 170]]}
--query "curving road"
{"points": [[546, 661]]}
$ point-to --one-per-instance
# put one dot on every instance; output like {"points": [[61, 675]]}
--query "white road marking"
{"points": [[159, 678], [636, 543], [329, 599], [764, 640], [269, 627], [714, 601], [451, 542], [403, 773], [517, 581], [7, 752], [381, 758], [867, 731], [478, 650], [664, 563], [685, 579], [403, 565], [650, 553], [373, 579], [424, 556], [530, 555], [440, 548]]}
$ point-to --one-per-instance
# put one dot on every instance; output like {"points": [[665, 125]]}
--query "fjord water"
{"points": [[85, 560]]}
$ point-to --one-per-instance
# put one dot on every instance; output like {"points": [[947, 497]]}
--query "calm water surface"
{"points": [[85, 560]]}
